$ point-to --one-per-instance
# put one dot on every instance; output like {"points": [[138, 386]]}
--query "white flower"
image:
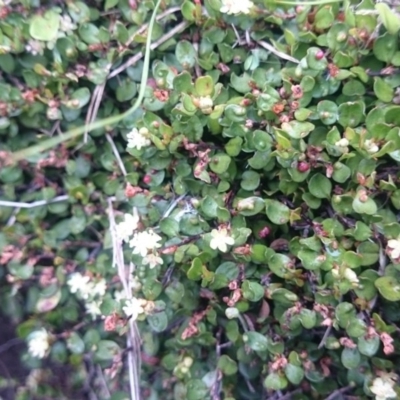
{"points": [[351, 276], [342, 143], [371, 146], [35, 47], [220, 239], [393, 248], [133, 307], [137, 139], [383, 389], [142, 242], [80, 284], [236, 6], [152, 260], [93, 308], [246, 204], [66, 23], [38, 343], [119, 295], [126, 227], [99, 288]]}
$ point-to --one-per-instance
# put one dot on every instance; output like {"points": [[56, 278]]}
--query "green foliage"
{"points": [[254, 158]]}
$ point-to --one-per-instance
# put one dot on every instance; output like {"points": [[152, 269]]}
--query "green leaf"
{"points": [[351, 358], [170, 227], [294, 373], [204, 86], [75, 344], [364, 205], [250, 180], [185, 54], [383, 90], [277, 212], [45, 27], [296, 129], [252, 291], [110, 4], [220, 163], [107, 350], [389, 288], [227, 365], [368, 347], [390, 19], [158, 321], [320, 186], [256, 341], [196, 390], [275, 381], [195, 271]]}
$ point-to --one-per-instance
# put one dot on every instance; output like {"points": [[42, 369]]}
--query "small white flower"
{"points": [[79, 284], [38, 344], [119, 295], [35, 47], [152, 260], [99, 288], [126, 227], [142, 242], [137, 140], [220, 240], [351, 276], [93, 308], [393, 248], [383, 389], [342, 143], [236, 6], [66, 24], [371, 146], [133, 307], [246, 204]]}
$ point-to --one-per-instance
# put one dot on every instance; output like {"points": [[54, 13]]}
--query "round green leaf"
{"points": [[256, 341], [277, 212], [45, 27], [389, 288], [368, 347], [351, 358], [250, 180], [320, 186], [220, 163], [296, 129]]}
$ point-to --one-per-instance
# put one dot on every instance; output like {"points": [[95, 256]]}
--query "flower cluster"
{"points": [[134, 307], [137, 139], [38, 343], [220, 239], [235, 7], [383, 387], [143, 243], [88, 290], [393, 250]]}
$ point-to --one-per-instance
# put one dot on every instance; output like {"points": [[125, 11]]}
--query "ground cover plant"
{"points": [[199, 199]]}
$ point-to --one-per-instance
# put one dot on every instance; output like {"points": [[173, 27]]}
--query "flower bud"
{"points": [[232, 312]]}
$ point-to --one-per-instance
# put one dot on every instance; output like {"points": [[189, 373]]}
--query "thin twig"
{"points": [[116, 154], [337, 392], [144, 28], [5, 203], [103, 381], [138, 56], [133, 337], [326, 334], [278, 53], [287, 396], [94, 105], [381, 270]]}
